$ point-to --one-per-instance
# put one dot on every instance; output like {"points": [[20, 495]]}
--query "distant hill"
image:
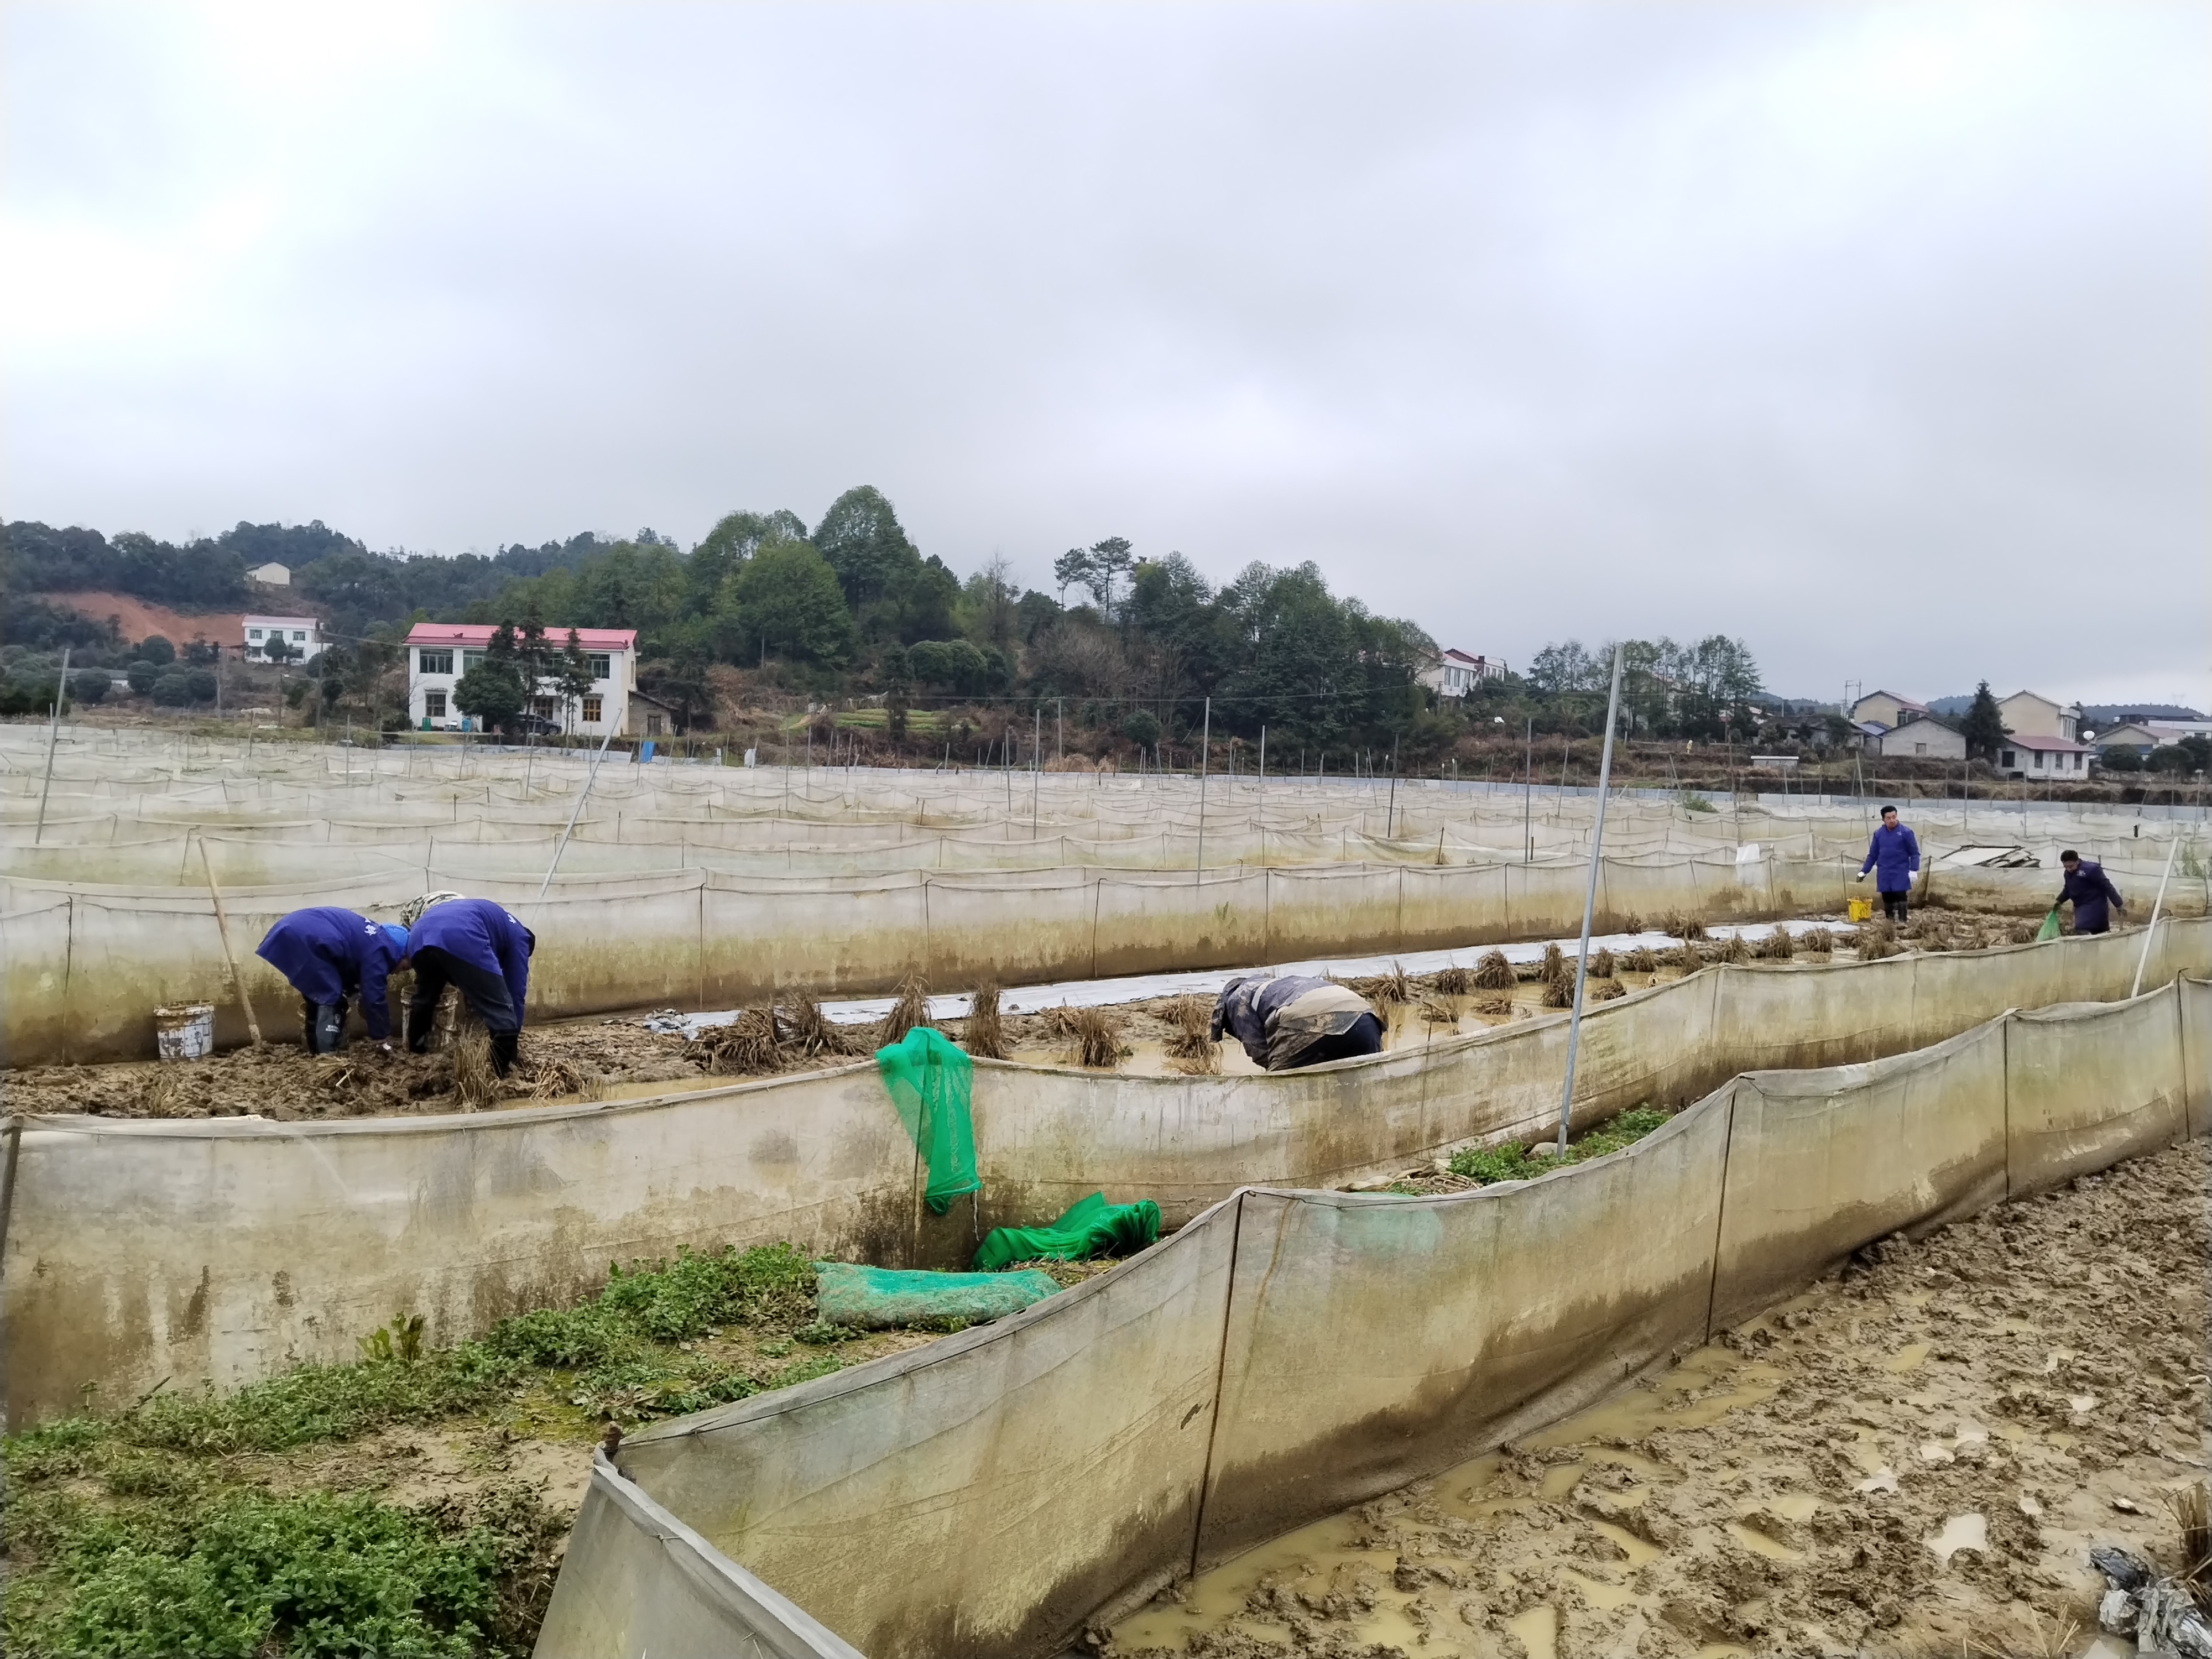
{"points": [[2110, 713], [2096, 713]]}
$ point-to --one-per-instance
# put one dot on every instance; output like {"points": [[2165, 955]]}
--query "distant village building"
{"points": [[303, 637], [271, 574], [439, 654], [1454, 673], [2028, 716], [2031, 755], [1886, 708], [1929, 737], [2139, 735]]}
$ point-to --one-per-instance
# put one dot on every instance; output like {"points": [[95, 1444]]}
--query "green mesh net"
{"points": [[931, 1083]]}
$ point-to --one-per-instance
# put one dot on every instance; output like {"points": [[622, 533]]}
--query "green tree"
{"points": [[1983, 727], [200, 684], [158, 651], [142, 675], [90, 685], [573, 675], [865, 545], [492, 695], [787, 600], [172, 690]]}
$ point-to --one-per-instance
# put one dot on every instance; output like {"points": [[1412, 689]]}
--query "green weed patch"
{"points": [[159, 1530], [1512, 1162]]}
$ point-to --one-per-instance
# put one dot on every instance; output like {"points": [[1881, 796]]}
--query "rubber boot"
{"points": [[503, 1045], [327, 1030]]}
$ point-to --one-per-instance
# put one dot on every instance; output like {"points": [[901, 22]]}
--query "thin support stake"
{"points": [[2151, 931], [1589, 904], [1205, 748], [53, 737], [590, 777]]}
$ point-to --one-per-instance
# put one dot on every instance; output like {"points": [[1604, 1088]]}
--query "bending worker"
{"points": [[331, 955], [476, 945], [2091, 890], [1893, 855], [1295, 1021]]}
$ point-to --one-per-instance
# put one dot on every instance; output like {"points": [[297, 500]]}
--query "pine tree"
{"points": [[1983, 727]]}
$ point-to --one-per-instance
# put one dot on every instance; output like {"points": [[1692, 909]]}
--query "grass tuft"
{"points": [[985, 1033]]}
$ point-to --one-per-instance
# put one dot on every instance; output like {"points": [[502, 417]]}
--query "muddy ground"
{"points": [[616, 1057], [1912, 1458]]}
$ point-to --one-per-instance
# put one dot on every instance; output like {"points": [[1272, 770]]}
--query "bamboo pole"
{"points": [[230, 955]]}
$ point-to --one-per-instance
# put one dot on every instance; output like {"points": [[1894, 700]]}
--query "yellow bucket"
{"points": [[1861, 909]]}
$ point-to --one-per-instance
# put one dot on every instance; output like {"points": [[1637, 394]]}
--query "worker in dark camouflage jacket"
{"points": [[1284, 1023]]}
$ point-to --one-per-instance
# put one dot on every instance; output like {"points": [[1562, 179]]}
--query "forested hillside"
{"points": [[1128, 644]]}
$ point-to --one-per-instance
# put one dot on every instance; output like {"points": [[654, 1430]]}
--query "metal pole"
{"points": [[53, 736], [1263, 797], [2149, 933], [1589, 904], [1390, 818], [1037, 765], [590, 777], [1205, 748]]}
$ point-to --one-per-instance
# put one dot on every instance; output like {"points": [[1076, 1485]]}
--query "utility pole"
{"points": [[1060, 728]]}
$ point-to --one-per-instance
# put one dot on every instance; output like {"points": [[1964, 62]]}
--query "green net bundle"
{"points": [[931, 1084]]}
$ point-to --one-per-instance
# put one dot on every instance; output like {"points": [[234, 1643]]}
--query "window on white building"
{"points": [[434, 705], [433, 662], [472, 660], [600, 662], [299, 636], [591, 711], [252, 633]]}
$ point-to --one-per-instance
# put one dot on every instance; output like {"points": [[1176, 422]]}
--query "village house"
{"points": [[1454, 673], [439, 654], [303, 637], [2028, 716]]}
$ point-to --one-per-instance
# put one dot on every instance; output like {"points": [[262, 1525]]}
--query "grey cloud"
{"points": [[1873, 335]]}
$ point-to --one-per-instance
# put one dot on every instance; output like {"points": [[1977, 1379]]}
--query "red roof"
{"points": [[2061, 745], [591, 639]]}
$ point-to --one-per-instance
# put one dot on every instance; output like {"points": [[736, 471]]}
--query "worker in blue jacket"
{"points": [[1893, 855], [2092, 891], [478, 946], [330, 955]]}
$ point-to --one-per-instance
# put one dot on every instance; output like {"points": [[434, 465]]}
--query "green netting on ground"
{"points": [[1093, 1227], [931, 1083], [879, 1299]]}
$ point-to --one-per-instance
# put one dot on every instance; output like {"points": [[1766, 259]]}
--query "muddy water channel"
{"points": [[1914, 1456]]}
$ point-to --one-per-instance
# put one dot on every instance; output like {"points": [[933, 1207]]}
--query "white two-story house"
{"points": [[303, 637], [439, 654]]}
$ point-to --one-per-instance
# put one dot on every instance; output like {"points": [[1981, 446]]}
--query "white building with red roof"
{"points": [[439, 654], [1454, 673]]}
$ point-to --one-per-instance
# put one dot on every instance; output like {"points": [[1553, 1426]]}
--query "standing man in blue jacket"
{"points": [[477, 945], [330, 955], [2091, 890], [1893, 855]]}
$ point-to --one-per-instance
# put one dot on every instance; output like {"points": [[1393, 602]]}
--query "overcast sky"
{"points": [[1876, 335]]}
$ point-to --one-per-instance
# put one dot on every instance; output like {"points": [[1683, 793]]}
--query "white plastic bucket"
{"points": [[185, 1032]]}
